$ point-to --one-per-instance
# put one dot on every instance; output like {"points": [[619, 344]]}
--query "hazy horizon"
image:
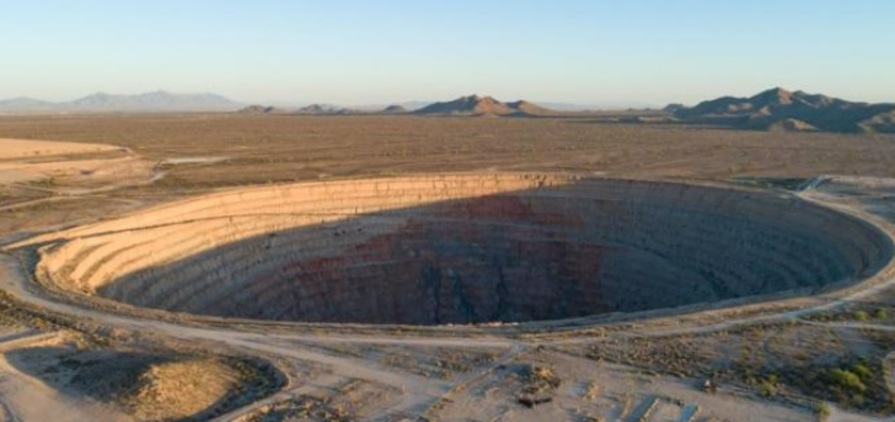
{"points": [[377, 52]]}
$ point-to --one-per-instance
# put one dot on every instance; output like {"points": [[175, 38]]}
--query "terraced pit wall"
{"points": [[462, 248]]}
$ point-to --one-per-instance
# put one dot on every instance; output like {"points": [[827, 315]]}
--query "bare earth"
{"points": [[77, 217], [22, 149]]}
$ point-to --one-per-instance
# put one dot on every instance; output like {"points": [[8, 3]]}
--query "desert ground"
{"points": [[240, 267]]}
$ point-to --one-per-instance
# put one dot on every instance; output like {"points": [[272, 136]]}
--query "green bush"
{"points": [[862, 371], [823, 410], [767, 389], [862, 316], [768, 386], [847, 380]]}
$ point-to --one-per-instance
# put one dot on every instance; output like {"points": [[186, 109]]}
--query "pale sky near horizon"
{"points": [[648, 52]]}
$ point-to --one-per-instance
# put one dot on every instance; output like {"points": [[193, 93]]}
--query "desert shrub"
{"points": [[768, 386], [847, 380], [862, 316], [767, 389], [823, 410], [862, 371]]}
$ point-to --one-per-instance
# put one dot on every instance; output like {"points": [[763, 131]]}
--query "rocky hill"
{"points": [[475, 105], [779, 109], [25, 103], [326, 110], [260, 109], [394, 109]]}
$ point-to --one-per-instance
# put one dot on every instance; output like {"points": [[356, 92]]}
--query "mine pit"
{"points": [[462, 249]]}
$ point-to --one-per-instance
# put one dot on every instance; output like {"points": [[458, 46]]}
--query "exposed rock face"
{"points": [[791, 125], [882, 123], [462, 248]]}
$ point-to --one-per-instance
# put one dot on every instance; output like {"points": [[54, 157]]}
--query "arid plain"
{"points": [[286, 267]]}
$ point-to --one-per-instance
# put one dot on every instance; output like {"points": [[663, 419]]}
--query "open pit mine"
{"points": [[462, 248]]}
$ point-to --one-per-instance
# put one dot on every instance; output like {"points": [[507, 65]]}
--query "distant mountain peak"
{"points": [[394, 109], [475, 97], [324, 109], [780, 109], [157, 101], [25, 103], [774, 96], [778, 91], [483, 105], [260, 109]]}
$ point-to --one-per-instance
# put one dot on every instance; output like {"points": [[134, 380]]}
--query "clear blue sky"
{"points": [[378, 51]]}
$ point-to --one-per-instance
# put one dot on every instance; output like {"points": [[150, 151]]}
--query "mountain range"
{"points": [[472, 105], [318, 110], [776, 109], [155, 101], [779, 109], [475, 105]]}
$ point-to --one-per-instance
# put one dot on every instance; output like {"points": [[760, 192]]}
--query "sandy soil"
{"points": [[29, 149], [604, 392], [111, 173], [47, 166]]}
